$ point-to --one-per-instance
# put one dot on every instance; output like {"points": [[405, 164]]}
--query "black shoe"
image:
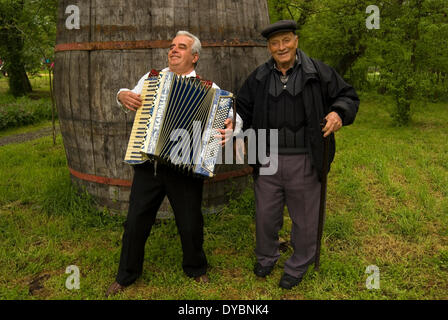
{"points": [[202, 279], [261, 271], [287, 281], [114, 289]]}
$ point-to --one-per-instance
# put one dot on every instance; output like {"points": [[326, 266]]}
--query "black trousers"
{"points": [[147, 193]]}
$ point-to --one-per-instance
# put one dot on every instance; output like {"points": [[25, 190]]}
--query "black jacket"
{"points": [[323, 91]]}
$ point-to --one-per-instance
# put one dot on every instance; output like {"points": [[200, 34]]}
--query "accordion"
{"points": [[177, 123]]}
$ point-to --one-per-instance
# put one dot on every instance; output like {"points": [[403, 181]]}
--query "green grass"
{"points": [[387, 206]]}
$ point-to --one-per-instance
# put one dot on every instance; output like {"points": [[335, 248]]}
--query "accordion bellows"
{"points": [[177, 123]]}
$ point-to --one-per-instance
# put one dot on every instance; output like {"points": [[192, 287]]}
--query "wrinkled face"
{"points": [[180, 58], [283, 48]]}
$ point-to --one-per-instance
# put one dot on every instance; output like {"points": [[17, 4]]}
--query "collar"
{"points": [[304, 62], [289, 71], [307, 63], [191, 74]]}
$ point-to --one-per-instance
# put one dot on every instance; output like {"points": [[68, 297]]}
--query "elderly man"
{"points": [[293, 94], [152, 182]]}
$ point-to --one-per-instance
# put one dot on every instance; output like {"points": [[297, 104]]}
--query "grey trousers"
{"points": [[297, 186]]}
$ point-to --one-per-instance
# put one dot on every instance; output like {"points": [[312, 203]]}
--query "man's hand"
{"points": [[334, 123], [130, 100], [227, 132]]}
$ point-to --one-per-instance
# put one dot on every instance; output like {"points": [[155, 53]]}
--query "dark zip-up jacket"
{"points": [[323, 91]]}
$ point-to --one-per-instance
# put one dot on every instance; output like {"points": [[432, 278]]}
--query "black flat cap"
{"points": [[279, 26]]}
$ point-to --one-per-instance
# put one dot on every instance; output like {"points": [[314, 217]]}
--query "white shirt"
{"points": [[139, 87]]}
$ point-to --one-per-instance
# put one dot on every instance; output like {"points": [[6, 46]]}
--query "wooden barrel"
{"points": [[105, 45]]}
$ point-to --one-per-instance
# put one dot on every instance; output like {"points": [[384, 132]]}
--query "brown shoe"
{"points": [[202, 279], [114, 289]]}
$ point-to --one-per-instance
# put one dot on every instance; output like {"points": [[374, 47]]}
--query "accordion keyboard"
{"points": [[142, 118]]}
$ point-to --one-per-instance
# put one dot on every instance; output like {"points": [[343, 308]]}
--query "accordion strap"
{"points": [[206, 83], [153, 73]]}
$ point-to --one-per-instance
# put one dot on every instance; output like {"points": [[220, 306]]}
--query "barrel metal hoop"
{"points": [[127, 183], [149, 44], [100, 180]]}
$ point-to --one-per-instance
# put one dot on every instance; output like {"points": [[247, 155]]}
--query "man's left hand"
{"points": [[334, 123], [227, 132]]}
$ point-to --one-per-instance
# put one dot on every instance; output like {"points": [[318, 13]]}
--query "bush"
{"points": [[23, 111]]}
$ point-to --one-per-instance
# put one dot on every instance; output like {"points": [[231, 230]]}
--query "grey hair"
{"points": [[196, 48]]}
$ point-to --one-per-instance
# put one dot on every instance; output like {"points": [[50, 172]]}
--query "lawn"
{"points": [[387, 206]]}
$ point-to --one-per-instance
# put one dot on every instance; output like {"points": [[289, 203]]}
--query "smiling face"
{"points": [[283, 49], [181, 60]]}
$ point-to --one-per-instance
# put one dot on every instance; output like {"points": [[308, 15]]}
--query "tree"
{"points": [[330, 30], [337, 33], [12, 44], [298, 10], [27, 35], [413, 42], [408, 51]]}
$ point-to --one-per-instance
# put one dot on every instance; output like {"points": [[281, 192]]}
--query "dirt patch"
{"points": [[24, 137], [36, 284]]}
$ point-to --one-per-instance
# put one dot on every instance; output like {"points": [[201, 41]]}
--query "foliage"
{"points": [[36, 23], [410, 38], [26, 110], [337, 33], [23, 111], [283, 10], [27, 36], [299, 10], [406, 57]]}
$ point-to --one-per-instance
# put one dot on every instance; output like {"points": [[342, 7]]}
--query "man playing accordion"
{"points": [[153, 181]]}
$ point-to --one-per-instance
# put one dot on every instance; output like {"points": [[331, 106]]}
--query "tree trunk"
{"points": [[19, 84], [348, 60]]}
